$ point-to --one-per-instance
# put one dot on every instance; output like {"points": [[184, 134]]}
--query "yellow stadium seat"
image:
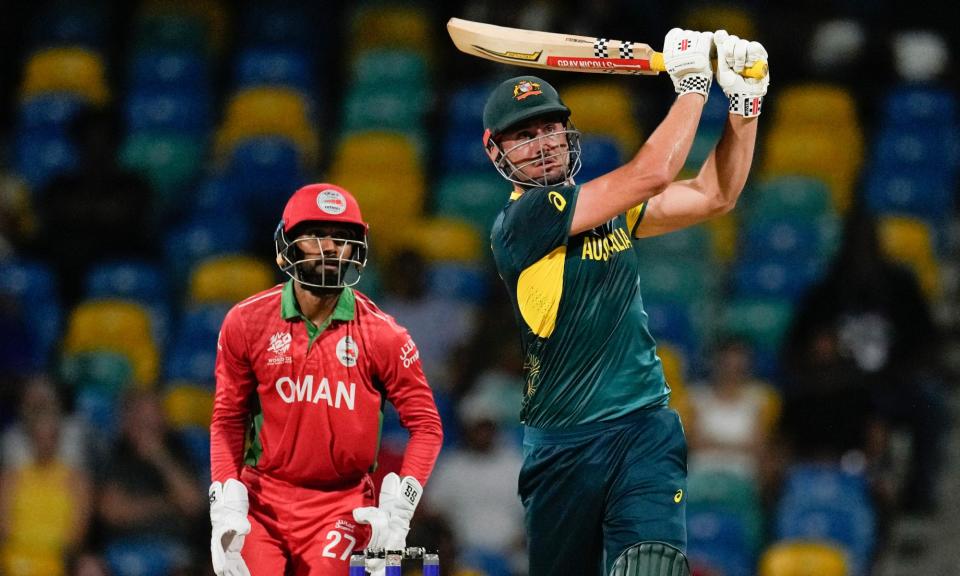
{"points": [[76, 70], [391, 26], [188, 405], [119, 326], [443, 239], [388, 201], [604, 108], [674, 370], [734, 20], [804, 558], [376, 153], [265, 111], [909, 241], [229, 279], [833, 156], [816, 104]]}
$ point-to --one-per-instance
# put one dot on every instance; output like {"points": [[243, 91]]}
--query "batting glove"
{"points": [[402, 496], [228, 515], [733, 55], [686, 56]]}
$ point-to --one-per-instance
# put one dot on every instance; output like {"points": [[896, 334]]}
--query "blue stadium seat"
{"points": [[162, 71], [130, 279], [184, 112], [463, 151], [200, 326], [49, 112], [204, 236], [488, 562], [715, 111], [155, 556], [927, 194], [600, 154], [33, 286], [264, 162], [911, 106], [41, 156], [772, 278], [718, 538], [290, 67], [68, 24], [458, 281], [671, 321], [98, 407], [824, 484], [196, 441], [465, 108], [194, 365], [925, 148], [281, 24], [786, 239]]}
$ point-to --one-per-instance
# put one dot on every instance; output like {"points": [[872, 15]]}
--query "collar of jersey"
{"points": [[344, 310]]}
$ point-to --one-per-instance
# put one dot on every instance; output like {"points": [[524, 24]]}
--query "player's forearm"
{"points": [[664, 153], [725, 172]]}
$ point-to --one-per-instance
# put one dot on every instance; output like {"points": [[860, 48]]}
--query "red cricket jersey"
{"points": [[303, 404]]}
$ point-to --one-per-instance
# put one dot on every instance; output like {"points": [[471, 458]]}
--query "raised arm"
{"points": [[717, 186], [659, 160]]}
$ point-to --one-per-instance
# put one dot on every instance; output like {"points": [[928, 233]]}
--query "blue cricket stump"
{"points": [[394, 561]]}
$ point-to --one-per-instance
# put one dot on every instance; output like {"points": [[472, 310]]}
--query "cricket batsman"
{"points": [[302, 373], [604, 476]]}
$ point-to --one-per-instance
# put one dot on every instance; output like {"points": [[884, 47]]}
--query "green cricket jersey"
{"points": [[588, 354]]}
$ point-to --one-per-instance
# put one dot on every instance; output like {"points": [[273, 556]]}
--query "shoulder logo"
{"points": [[678, 496], [279, 346], [347, 352], [525, 89], [557, 199]]}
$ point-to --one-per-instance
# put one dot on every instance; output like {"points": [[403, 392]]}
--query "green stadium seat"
{"points": [[788, 196], [763, 322], [170, 162], [169, 31], [474, 197], [386, 108], [101, 370], [695, 242], [380, 68], [730, 492]]}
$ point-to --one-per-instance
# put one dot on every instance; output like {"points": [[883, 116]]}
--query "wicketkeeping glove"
{"points": [[402, 496], [686, 56], [379, 521], [228, 515], [733, 55]]}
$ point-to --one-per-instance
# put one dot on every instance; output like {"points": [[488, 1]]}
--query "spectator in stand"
{"points": [[149, 491], [38, 396], [862, 355], [44, 496], [490, 517], [734, 416]]}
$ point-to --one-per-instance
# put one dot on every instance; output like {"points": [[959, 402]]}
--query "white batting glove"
{"points": [[379, 521], [686, 56], [733, 55], [402, 496], [228, 515]]}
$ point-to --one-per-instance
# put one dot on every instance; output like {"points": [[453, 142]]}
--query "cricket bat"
{"points": [[534, 49]]}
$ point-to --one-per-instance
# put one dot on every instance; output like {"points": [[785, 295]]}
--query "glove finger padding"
{"points": [[404, 495], [686, 57], [228, 517], [379, 522], [733, 55]]}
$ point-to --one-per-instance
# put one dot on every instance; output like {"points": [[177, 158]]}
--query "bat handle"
{"points": [[758, 70]]}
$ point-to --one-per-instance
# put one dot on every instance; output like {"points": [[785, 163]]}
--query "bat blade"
{"points": [[534, 49]]}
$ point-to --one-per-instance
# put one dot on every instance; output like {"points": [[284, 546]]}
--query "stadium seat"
{"points": [[457, 281], [213, 15], [680, 280], [33, 286], [377, 152], [703, 144], [155, 556], [715, 111], [473, 196], [693, 242], [49, 112], [193, 353], [170, 70], [735, 20], [389, 201], [787, 239], [464, 107], [270, 66], [599, 154], [831, 155], [169, 161], [718, 539], [926, 148], [219, 193], [180, 112], [229, 279], [801, 197], [172, 31], [676, 365], [462, 151], [671, 321], [386, 68], [196, 442], [70, 69], [280, 25], [391, 25], [804, 558], [101, 370], [775, 278], [396, 108], [62, 24], [39, 157], [763, 323], [820, 105], [488, 562], [99, 409], [605, 108], [913, 191], [116, 325], [911, 242], [443, 239], [202, 237], [139, 281], [188, 405], [268, 111], [730, 493], [913, 106]]}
